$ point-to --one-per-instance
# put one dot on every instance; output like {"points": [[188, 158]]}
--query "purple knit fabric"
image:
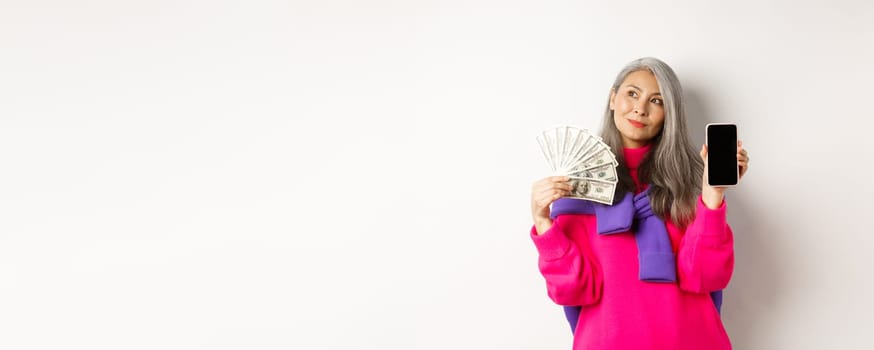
{"points": [[656, 260], [655, 256]]}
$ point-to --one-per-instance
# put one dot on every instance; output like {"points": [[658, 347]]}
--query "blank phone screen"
{"points": [[722, 154]]}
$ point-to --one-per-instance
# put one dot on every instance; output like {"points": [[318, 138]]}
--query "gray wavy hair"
{"points": [[672, 168]]}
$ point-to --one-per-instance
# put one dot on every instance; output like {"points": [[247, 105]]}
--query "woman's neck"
{"points": [[629, 143], [634, 155]]}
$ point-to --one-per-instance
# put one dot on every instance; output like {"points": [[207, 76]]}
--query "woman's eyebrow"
{"points": [[639, 89]]}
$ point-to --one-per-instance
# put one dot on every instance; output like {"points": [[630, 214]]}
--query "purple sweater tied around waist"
{"points": [[632, 213]]}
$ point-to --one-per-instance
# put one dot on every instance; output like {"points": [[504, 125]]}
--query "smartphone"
{"points": [[721, 142]]}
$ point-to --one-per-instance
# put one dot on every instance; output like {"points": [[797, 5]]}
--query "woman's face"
{"points": [[638, 109]]}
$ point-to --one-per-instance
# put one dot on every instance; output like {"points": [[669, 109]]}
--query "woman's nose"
{"points": [[640, 109]]}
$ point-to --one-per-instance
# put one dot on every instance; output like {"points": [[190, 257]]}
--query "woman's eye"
{"points": [[632, 94], [657, 101]]}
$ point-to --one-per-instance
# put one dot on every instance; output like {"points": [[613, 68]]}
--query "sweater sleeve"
{"points": [[705, 260], [573, 276]]}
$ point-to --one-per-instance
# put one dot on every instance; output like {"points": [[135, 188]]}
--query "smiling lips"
{"points": [[636, 124]]}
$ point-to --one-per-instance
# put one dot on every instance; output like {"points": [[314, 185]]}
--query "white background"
{"points": [[356, 175]]}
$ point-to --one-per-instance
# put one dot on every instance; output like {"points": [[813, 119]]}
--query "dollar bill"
{"points": [[596, 155], [571, 141], [602, 156], [549, 140], [560, 139], [603, 172], [586, 141], [593, 190]]}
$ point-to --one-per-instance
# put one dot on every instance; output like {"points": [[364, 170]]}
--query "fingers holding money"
{"points": [[552, 188], [546, 191]]}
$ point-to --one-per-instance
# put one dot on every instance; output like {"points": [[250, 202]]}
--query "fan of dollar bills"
{"points": [[588, 161]]}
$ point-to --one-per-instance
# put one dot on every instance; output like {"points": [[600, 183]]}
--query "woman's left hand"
{"points": [[712, 196]]}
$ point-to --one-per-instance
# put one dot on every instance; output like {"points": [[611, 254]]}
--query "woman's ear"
{"points": [[612, 96]]}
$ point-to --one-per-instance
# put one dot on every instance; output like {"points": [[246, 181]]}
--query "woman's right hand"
{"points": [[543, 193]]}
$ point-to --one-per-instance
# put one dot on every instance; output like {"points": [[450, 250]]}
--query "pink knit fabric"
{"points": [[600, 272]]}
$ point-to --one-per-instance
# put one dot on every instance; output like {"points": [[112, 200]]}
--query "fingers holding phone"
{"points": [[743, 159]]}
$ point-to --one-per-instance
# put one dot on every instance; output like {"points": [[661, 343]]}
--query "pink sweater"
{"points": [[619, 311]]}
